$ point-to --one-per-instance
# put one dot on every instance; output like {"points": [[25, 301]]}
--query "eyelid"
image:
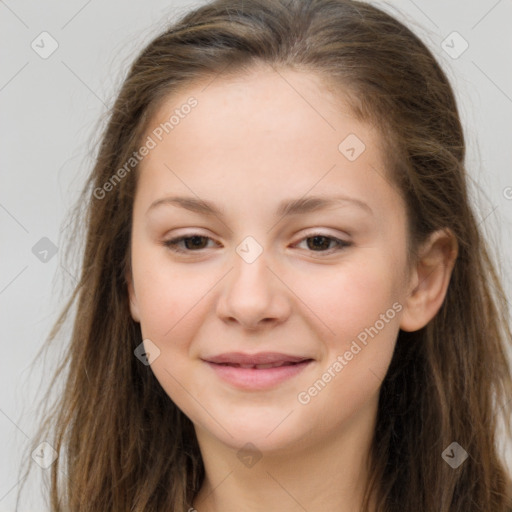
{"points": [[319, 232]]}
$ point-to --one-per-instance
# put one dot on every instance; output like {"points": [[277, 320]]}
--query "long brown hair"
{"points": [[122, 443]]}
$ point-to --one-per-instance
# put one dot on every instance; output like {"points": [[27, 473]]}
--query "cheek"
{"points": [[169, 296], [351, 298], [360, 306], [171, 301]]}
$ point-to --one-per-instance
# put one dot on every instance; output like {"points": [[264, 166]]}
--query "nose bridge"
{"points": [[252, 293], [251, 278]]}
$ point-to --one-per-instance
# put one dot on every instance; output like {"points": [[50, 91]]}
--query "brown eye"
{"points": [[322, 243], [319, 242], [192, 243]]}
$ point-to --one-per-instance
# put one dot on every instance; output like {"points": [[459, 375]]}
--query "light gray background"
{"points": [[49, 121]]}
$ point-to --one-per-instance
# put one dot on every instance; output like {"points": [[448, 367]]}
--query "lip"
{"points": [[248, 378], [259, 358]]}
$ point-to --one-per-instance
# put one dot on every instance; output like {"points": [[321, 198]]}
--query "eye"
{"points": [[196, 242], [192, 242], [318, 242]]}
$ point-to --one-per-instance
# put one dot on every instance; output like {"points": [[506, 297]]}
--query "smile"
{"points": [[258, 376], [258, 366]]}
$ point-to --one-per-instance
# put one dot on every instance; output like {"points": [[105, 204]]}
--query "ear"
{"points": [[134, 308], [429, 280]]}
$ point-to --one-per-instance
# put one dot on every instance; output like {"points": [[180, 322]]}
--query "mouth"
{"points": [[257, 371], [259, 359], [262, 366]]}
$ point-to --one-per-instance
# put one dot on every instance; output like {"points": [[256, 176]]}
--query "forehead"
{"points": [[258, 133], [261, 98]]}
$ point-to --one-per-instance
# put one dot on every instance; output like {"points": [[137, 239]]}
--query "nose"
{"points": [[253, 295]]}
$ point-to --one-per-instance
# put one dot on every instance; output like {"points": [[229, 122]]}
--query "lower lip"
{"points": [[252, 378]]}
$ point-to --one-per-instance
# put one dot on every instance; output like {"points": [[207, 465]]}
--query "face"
{"points": [[227, 278]]}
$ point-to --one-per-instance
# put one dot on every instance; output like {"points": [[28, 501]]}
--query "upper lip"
{"points": [[260, 358]]}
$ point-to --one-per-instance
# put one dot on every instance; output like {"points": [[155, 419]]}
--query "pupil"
{"points": [[196, 241], [317, 238]]}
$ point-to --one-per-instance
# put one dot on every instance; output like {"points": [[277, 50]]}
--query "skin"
{"points": [[252, 141]]}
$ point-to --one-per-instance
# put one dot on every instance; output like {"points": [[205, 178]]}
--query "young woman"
{"points": [[285, 302]]}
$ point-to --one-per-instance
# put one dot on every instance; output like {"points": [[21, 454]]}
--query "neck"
{"points": [[327, 472]]}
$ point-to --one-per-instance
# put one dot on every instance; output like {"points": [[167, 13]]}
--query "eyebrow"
{"points": [[287, 207]]}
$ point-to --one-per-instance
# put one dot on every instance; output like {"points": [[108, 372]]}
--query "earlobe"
{"points": [[430, 279], [134, 308]]}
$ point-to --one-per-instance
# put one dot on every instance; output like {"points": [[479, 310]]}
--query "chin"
{"points": [[268, 432]]}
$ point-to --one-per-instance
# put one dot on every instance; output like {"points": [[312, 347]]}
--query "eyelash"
{"points": [[172, 244]]}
